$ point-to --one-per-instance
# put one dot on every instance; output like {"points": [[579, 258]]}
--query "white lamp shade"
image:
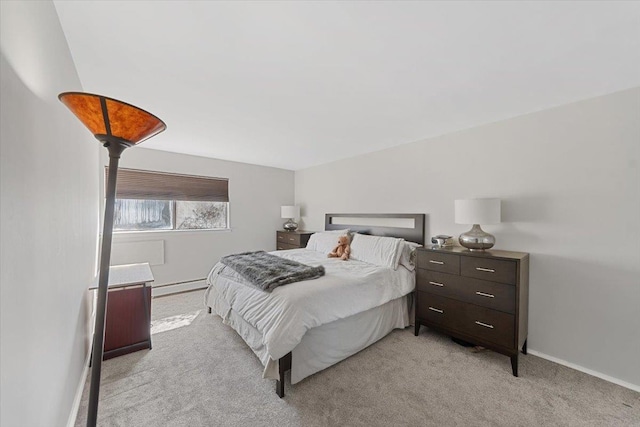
{"points": [[478, 211], [290, 211]]}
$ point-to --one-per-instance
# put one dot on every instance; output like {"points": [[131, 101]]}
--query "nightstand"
{"points": [[292, 239], [128, 316], [480, 297]]}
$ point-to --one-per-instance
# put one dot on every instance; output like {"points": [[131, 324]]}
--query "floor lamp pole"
{"points": [[115, 149]]}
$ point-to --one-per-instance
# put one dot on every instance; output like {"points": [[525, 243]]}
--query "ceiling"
{"points": [[296, 84]]}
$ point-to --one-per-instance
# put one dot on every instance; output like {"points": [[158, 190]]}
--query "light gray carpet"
{"points": [[205, 375]]}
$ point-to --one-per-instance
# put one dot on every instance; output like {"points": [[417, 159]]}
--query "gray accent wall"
{"points": [[569, 178], [48, 221]]}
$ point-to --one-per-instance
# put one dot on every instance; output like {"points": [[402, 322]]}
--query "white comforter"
{"points": [[284, 315]]}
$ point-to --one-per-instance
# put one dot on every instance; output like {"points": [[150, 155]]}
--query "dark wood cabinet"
{"points": [[479, 297], [128, 316], [127, 327], [292, 239]]}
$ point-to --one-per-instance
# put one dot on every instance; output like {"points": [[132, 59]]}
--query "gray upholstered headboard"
{"points": [[406, 226]]}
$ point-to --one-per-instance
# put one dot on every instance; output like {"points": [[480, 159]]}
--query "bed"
{"points": [[307, 326]]}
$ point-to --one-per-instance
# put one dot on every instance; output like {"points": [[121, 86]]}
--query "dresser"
{"points": [[292, 239], [481, 297]]}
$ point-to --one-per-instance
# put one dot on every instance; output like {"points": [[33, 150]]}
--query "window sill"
{"points": [[144, 232]]}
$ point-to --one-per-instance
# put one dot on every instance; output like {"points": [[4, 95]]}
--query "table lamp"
{"points": [[291, 213], [476, 212]]}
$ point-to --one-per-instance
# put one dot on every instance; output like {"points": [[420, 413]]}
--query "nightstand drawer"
{"points": [[490, 325], [288, 238], [445, 263], [292, 239], [497, 296], [493, 270], [284, 246]]}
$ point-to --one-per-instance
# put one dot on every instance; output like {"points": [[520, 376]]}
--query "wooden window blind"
{"points": [[148, 185]]}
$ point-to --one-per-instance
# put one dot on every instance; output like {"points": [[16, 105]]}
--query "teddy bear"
{"points": [[343, 250]]}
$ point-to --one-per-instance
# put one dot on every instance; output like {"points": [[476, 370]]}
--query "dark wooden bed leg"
{"points": [[416, 330], [514, 365], [524, 347], [284, 364], [209, 310], [280, 387]]}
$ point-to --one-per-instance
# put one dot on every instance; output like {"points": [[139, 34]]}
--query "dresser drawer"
{"points": [[439, 311], [445, 263], [483, 323], [490, 325], [493, 295], [436, 283], [493, 270]]}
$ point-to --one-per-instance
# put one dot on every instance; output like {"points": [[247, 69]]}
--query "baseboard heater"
{"points": [[180, 283], [177, 287]]}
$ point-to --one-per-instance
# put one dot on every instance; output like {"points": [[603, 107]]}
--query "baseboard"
{"points": [[177, 288], [78, 397], [591, 372]]}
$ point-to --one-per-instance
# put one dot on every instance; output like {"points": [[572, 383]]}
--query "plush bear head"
{"points": [[343, 240]]}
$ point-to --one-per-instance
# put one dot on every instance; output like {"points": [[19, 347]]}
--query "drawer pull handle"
{"points": [[292, 239], [488, 270], [482, 294], [437, 310], [484, 324], [436, 284], [436, 262]]}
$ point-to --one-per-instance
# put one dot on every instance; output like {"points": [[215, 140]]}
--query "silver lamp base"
{"points": [[477, 239], [290, 225]]}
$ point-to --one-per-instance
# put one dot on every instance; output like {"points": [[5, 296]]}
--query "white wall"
{"points": [[255, 196], [569, 178], [48, 221]]}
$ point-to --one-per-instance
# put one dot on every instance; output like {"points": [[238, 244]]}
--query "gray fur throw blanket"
{"points": [[267, 272]]}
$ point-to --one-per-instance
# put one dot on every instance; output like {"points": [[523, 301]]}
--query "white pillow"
{"points": [[377, 250], [325, 242], [406, 255]]}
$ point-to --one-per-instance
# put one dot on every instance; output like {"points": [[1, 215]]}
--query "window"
{"points": [[161, 201], [137, 215], [201, 215]]}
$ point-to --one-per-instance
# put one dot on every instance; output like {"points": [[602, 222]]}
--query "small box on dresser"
{"points": [[478, 296], [292, 239]]}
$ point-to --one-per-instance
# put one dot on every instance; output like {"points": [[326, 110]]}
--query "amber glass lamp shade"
{"points": [[109, 119]]}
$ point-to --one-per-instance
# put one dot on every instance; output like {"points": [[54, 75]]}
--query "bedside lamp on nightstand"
{"points": [[291, 213], [476, 212]]}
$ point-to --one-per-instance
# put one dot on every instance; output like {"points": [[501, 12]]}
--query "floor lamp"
{"points": [[117, 125]]}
